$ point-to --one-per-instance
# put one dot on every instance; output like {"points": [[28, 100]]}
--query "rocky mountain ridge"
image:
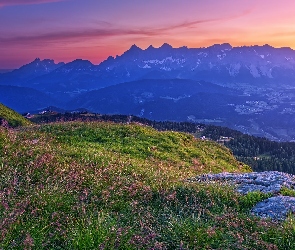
{"points": [[261, 79], [219, 63]]}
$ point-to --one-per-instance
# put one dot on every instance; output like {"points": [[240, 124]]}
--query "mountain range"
{"points": [[249, 88]]}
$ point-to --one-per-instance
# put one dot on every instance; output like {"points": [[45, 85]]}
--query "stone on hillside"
{"points": [[277, 207], [265, 182]]}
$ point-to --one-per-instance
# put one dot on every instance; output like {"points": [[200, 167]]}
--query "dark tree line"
{"points": [[187, 127], [259, 153]]}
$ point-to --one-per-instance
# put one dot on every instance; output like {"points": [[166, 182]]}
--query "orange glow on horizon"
{"points": [[93, 30]]}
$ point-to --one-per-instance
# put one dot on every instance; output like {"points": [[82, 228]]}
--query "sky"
{"points": [[65, 30]]}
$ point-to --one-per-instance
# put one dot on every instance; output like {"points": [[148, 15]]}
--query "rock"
{"points": [[265, 182], [277, 207]]}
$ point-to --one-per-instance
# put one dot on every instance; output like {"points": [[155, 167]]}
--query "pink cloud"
{"points": [[106, 30], [4, 3]]}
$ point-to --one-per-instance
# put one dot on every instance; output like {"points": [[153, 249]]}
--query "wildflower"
{"points": [[28, 242]]}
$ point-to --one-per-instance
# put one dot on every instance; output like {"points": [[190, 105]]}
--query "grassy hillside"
{"points": [[110, 186], [260, 154], [13, 118]]}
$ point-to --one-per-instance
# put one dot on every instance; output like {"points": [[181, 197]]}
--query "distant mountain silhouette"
{"points": [[220, 63], [256, 86]]}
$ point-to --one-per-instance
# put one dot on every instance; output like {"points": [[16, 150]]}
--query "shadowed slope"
{"points": [[13, 118]]}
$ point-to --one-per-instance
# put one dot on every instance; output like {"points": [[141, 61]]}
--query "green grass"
{"points": [[13, 118], [112, 186], [287, 192]]}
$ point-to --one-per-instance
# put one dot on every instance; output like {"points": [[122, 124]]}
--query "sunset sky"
{"points": [[64, 30]]}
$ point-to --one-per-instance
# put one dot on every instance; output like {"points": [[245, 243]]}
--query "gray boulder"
{"points": [[277, 207], [265, 182]]}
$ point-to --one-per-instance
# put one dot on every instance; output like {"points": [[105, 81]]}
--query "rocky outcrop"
{"points": [[276, 207], [265, 182]]}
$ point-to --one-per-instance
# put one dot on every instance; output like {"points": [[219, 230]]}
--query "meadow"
{"points": [[101, 185]]}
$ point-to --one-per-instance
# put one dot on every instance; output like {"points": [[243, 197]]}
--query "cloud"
{"points": [[192, 24], [83, 34], [287, 33], [4, 3], [74, 36], [105, 30]]}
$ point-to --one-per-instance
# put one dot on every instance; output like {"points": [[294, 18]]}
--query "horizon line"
{"points": [[142, 49]]}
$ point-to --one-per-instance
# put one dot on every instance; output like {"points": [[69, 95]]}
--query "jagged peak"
{"points": [[226, 46], [38, 63], [166, 46], [267, 46], [110, 58], [222, 46], [78, 63], [44, 61], [150, 47], [288, 49], [48, 61], [81, 61], [134, 47], [133, 50]]}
